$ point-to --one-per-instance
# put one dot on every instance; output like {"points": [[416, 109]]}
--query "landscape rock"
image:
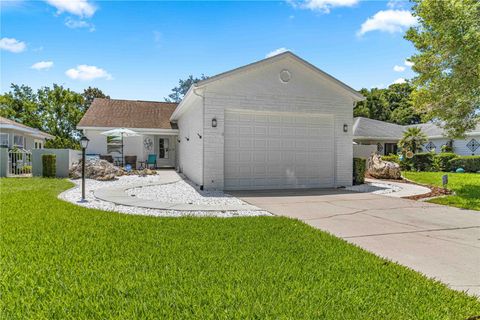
{"points": [[97, 169], [380, 169]]}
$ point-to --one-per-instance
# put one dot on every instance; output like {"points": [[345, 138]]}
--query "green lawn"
{"points": [[465, 185], [61, 261]]}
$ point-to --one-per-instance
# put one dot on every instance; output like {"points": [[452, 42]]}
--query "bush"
{"points": [[469, 163], [49, 163], [391, 158], [423, 161], [359, 167], [442, 161]]}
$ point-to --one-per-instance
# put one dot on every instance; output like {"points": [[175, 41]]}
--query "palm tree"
{"points": [[412, 140]]}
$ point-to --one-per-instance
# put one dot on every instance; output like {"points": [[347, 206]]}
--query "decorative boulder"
{"points": [[380, 169], [101, 170]]}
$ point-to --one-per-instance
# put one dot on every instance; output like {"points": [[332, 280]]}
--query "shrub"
{"points": [[391, 158], [442, 161], [359, 167], [468, 163], [423, 161], [49, 164]]}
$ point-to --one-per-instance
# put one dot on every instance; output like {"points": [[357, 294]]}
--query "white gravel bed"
{"points": [[183, 192], [73, 195], [375, 188]]}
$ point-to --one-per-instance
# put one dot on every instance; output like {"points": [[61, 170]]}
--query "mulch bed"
{"points": [[435, 191]]}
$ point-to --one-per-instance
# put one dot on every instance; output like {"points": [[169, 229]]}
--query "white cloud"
{"points": [[86, 72], [276, 51], [398, 68], [399, 81], [42, 65], [408, 63], [12, 45], [392, 4], [388, 21], [81, 8], [75, 24], [322, 5]]}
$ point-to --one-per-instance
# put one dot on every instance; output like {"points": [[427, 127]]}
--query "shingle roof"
{"points": [[5, 121], [364, 127], [113, 113], [369, 128]]}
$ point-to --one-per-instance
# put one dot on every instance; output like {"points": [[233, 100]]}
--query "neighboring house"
{"points": [[17, 135], [386, 136], [277, 123]]}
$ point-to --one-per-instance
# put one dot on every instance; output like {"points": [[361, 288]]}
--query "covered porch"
{"points": [[150, 148]]}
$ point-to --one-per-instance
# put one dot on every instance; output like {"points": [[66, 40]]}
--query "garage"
{"points": [[272, 150]]}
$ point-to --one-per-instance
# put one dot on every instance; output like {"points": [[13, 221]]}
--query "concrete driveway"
{"points": [[438, 241]]}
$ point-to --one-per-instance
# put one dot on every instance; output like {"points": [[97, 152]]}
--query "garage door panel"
{"points": [[278, 151]]}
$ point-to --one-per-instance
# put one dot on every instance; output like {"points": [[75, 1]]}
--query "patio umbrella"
{"points": [[122, 132]]}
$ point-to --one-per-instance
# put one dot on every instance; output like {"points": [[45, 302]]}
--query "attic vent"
{"points": [[285, 76]]}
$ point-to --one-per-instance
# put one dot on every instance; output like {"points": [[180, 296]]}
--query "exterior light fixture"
{"points": [[84, 144], [214, 123], [199, 135], [345, 127]]}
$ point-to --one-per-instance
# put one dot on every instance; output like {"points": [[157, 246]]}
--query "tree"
{"points": [[413, 139], [393, 104], [447, 38], [62, 110], [21, 105], [399, 99], [91, 93], [54, 110], [183, 85]]}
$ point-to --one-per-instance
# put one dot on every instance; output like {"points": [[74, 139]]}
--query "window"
{"points": [[163, 148], [4, 140], [473, 145], [18, 141], [430, 146], [390, 148], [379, 147], [38, 144], [114, 144]]}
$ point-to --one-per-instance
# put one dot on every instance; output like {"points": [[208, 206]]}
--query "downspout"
{"points": [[203, 133]]}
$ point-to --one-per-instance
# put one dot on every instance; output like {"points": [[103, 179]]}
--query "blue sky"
{"points": [[139, 50]]}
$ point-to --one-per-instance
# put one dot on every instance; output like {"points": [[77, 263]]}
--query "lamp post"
{"points": [[83, 143]]}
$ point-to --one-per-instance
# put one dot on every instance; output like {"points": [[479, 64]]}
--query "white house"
{"points": [[14, 134], [277, 123], [386, 136]]}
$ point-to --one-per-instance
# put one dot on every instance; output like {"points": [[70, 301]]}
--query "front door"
{"points": [[165, 151]]}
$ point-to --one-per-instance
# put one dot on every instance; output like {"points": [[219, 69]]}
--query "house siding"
{"points": [[190, 152], [260, 89]]}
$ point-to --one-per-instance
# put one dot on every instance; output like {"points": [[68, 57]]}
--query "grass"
{"points": [[61, 261], [465, 185]]}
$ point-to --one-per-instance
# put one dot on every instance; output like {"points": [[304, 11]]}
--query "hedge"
{"points": [[359, 167], [423, 161], [442, 161], [49, 163], [391, 158], [468, 163]]}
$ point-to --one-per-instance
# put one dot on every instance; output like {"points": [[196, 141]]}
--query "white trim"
{"points": [[32, 131], [152, 131]]}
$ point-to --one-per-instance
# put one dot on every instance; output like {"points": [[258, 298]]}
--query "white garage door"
{"points": [[278, 150]]}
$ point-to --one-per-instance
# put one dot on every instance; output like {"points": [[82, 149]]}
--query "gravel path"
{"points": [[183, 192], [179, 191]]}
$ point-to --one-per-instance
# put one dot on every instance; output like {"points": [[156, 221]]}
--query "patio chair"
{"points": [[152, 160], [109, 158], [132, 161]]}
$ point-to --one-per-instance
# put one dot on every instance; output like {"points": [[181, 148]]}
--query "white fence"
{"points": [[19, 163]]}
